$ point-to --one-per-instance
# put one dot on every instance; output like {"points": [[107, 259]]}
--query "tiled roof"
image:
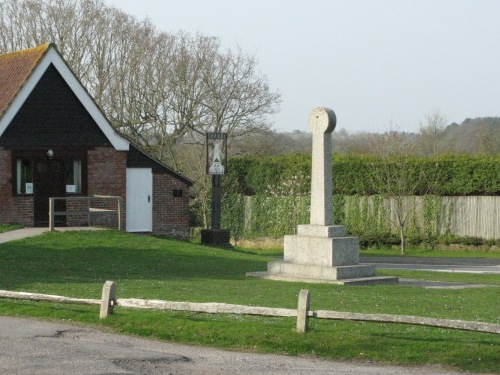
{"points": [[15, 68]]}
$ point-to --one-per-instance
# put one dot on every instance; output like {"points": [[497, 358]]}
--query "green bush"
{"points": [[471, 241], [376, 240], [280, 188], [357, 174]]}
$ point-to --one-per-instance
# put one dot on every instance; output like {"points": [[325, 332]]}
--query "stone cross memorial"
{"points": [[320, 251], [322, 123]]}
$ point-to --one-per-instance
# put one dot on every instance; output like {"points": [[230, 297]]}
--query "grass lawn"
{"points": [[8, 227], [76, 264]]}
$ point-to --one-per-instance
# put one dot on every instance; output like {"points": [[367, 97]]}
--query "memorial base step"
{"points": [[344, 275]]}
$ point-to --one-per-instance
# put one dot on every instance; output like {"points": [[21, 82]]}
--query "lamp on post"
{"points": [[216, 166]]}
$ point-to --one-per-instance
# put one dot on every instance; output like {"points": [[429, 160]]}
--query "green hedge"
{"points": [[360, 175]]}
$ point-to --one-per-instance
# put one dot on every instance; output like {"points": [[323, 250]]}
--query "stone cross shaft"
{"points": [[322, 122]]}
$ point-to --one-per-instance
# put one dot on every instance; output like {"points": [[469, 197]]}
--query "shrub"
{"points": [[353, 174]]}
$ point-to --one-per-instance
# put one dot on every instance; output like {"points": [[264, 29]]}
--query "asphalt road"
{"points": [[462, 265], [31, 347]]}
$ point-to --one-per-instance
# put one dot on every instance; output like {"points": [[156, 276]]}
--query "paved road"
{"points": [[462, 265], [41, 348]]}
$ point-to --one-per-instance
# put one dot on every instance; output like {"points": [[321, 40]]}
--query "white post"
{"points": [[302, 311], [108, 299], [89, 218], [120, 203], [51, 214]]}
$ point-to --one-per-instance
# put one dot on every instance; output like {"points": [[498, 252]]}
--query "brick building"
{"points": [[56, 142]]}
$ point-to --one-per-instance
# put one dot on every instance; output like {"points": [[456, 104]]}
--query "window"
{"points": [[73, 176], [24, 183]]}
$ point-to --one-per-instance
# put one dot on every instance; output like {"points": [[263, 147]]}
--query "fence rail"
{"points": [[303, 312], [208, 308], [48, 298], [88, 211]]}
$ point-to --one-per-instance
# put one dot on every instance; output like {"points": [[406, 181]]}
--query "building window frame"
{"points": [[74, 174], [24, 176]]}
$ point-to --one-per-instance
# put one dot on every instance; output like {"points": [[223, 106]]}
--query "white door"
{"points": [[139, 200]]}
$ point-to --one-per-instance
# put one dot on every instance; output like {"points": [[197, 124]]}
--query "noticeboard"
{"points": [[216, 146]]}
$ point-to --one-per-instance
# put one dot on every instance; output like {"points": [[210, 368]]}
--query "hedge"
{"points": [[360, 175]]}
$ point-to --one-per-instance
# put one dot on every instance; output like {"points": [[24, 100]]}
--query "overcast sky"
{"points": [[379, 64]]}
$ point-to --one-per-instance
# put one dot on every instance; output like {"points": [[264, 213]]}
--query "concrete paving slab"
{"points": [[19, 234], [448, 268], [430, 260], [22, 233]]}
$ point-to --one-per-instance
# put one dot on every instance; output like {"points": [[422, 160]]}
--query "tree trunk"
{"points": [[403, 240]]}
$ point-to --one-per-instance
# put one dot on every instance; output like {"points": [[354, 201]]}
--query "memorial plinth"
{"points": [[321, 252]]}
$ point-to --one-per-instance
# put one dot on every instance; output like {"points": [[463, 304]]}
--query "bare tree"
{"points": [[239, 98], [395, 180], [155, 87], [263, 143], [487, 139], [430, 138], [162, 90], [192, 158]]}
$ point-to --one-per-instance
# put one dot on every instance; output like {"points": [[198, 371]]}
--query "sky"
{"points": [[379, 64]]}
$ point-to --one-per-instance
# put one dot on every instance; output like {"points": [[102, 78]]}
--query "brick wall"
{"points": [[17, 209], [170, 214], [107, 171], [23, 211], [81, 216], [107, 176], [74, 204], [5, 186]]}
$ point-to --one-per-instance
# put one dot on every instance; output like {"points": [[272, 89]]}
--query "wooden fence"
{"points": [[467, 216], [303, 312], [471, 216], [476, 216], [88, 208]]}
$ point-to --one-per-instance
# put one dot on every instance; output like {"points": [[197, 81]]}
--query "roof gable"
{"points": [[20, 72], [137, 158], [15, 68], [52, 116]]}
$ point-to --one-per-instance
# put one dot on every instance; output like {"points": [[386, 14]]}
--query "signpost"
{"points": [[216, 145], [216, 165]]}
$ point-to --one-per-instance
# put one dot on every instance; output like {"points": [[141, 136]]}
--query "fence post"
{"points": [[108, 299], [89, 217], [120, 208], [51, 214], [303, 310]]}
